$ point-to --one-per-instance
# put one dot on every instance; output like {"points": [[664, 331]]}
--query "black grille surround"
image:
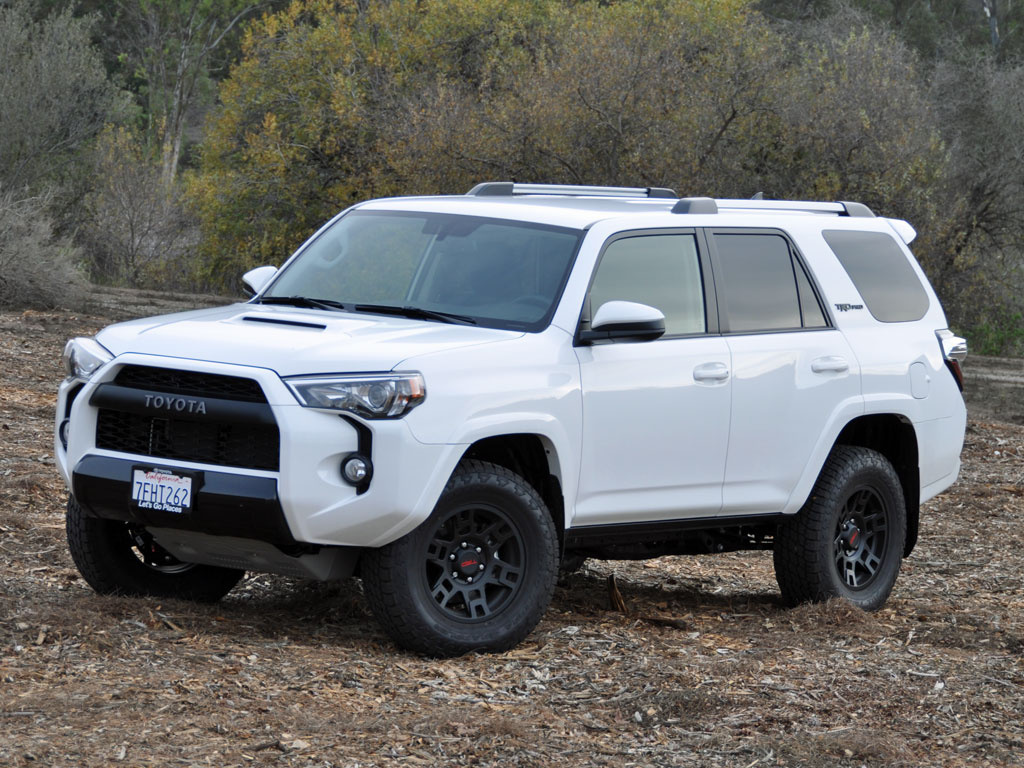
{"points": [[137, 414]]}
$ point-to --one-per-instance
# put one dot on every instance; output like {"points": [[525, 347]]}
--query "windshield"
{"points": [[498, 273]]}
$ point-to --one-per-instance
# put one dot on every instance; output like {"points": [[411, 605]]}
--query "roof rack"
{"points": [[509, 189], [694, 205], [840, 208]]}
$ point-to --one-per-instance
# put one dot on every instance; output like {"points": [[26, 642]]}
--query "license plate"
{"points": [[161, 491]]}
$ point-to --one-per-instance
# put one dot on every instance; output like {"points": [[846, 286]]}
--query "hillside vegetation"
{"points": [[194, 139]]}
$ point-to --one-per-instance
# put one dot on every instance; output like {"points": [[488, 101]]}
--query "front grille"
{"points": [[207, 441], [190, 383]]}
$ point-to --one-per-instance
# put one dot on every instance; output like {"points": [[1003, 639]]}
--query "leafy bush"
{"points": [[37, 269], [135, 231], [55, 95], [1001, 334]]}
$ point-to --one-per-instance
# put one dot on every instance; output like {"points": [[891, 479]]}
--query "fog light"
{"points": [[62, 432], [356, 469]]}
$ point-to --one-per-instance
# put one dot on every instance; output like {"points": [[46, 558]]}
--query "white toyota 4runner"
{"points": [[452, 396]]}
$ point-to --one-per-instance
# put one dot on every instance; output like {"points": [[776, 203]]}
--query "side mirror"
{"points": [[256, 279], [625, 320]]}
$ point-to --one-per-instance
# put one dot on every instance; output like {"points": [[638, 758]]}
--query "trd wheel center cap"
{"points": [[850, 536], [469, 562]]}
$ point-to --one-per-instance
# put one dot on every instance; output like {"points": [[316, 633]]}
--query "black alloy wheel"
{"points": [[475, 563], [151, 554], [847, 540], [477, 575], [860, 540]]}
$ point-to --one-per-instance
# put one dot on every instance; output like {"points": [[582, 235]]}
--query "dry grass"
{"points": [[289, 673]]}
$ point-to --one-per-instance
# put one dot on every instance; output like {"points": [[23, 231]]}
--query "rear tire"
{"points": [[847, 540], [116, 558], [477, 575]]}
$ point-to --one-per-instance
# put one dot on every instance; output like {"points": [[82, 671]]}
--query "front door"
{"points": [[655, 413]]}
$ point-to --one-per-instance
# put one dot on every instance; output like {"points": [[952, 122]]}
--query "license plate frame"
{"points": [[157, 489]]}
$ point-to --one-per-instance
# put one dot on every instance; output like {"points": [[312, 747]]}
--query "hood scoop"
{"points": [[285, 321]]}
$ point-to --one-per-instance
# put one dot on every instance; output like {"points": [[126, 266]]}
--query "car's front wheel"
{"points": [[847, 540], [117, 558], [477, 575]]}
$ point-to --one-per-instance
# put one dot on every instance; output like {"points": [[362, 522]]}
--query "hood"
{"points": [[292, 341]]}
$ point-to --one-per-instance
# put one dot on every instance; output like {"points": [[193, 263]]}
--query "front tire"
{"points": [[847, 540], [477, 575], [116, 558]]}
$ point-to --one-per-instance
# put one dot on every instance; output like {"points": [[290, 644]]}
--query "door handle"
{"points": [[830, 364], [711, 372]]}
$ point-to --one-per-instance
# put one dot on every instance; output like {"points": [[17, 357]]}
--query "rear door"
{"points": [[792, 370], [655, 413]]}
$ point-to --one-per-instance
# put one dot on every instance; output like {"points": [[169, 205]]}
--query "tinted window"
{"points": [[662, 271], [883, 276], [504, 274], [758, 290]]}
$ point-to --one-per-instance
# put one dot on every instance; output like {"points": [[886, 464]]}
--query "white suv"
{"points": [[450, 396]]}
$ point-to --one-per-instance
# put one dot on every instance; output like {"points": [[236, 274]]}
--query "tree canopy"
{"points": [[334, 102]]}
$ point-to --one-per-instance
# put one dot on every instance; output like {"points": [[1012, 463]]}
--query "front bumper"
{"points": [[223, 504], [316, 505]]}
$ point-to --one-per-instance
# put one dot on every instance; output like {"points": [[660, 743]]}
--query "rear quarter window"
{"points": [[880, 271]]}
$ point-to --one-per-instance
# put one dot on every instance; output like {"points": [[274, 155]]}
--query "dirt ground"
{"points": [[705, 668]]}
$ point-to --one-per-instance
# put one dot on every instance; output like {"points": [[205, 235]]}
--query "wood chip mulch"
{"points": [[678, 661]]}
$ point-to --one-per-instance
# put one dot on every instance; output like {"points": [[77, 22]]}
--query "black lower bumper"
{"points": [[222, 504]]}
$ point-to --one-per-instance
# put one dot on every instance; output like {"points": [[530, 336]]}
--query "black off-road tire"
{"points": [[571, 563], [116, 559], [847, 540], [477, 575]]}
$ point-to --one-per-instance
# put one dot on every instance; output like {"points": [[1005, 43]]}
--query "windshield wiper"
{"points": [[416, 312], [304, 301]]}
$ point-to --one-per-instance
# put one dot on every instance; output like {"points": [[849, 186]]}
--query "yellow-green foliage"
{"points": [[335, 102], [315, 98]]}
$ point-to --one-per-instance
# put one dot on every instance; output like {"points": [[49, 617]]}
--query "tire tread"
{"points": [[392, 604], [802, 551]]}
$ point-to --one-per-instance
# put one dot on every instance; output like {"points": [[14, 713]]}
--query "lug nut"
{"points": [[470, 579], [455, 575], [480, 567], [451, 556], [478, 549], [464, 545]]}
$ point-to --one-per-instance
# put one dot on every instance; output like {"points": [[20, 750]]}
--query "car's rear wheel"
{"points": [[477, 575], [118, 558], [847, 540]]}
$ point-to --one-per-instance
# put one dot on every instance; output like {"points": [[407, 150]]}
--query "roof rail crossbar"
{"points": [[508, 189], [695, 205]]}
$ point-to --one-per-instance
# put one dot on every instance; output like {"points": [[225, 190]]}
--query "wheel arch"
{"points": [[893, 436], [534, 458]]}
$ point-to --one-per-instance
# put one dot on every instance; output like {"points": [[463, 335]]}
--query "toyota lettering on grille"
{"points": [[178, 404]]}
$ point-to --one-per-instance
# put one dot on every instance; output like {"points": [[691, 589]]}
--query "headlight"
{"points": [[374, 396], [83, 356]]}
